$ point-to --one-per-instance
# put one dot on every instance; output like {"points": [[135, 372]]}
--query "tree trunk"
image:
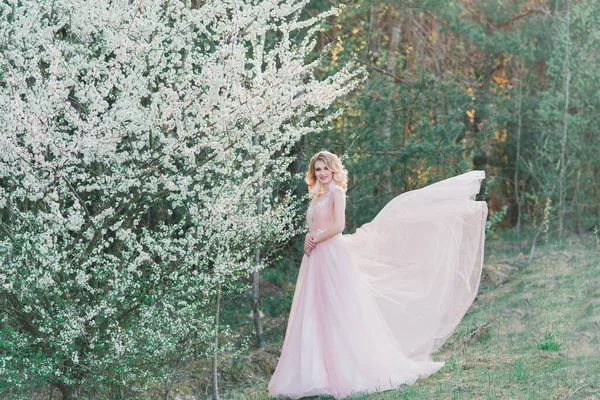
{"points": [[369, 31], [5, 303], [597, 190], [216, 354], [259, 209], [516, 178], [563, 167], [260, 340], [391, 69]]}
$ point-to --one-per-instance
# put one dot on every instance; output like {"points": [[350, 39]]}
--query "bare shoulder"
{"points": [[338, 193]]}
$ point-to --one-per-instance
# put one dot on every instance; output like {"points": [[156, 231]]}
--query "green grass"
{"points": [[542, 340]]}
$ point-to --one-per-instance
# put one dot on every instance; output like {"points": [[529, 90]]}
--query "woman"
{"points": [[370, 307]]}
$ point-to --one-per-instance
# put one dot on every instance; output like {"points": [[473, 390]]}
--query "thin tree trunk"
{"points": [[516, 178], [533, 243], [597, 190], [572, 206], [563, 167], [260, 340], [256, 274], [171, 381], [370, 30], [391, 69], [216, 354], [5, 303]]}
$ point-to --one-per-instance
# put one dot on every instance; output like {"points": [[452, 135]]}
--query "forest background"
{"points": [[509, 87]]}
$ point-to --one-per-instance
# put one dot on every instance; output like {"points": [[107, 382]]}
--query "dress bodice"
{"points": [[320, 212]]}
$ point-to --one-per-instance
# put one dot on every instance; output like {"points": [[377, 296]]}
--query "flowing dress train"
{"points": [[369, 308]]}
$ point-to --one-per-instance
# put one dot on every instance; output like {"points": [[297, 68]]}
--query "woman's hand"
{"points": [[309, 243]]}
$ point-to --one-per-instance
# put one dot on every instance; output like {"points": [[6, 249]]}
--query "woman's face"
{"points": [[322, 172]]}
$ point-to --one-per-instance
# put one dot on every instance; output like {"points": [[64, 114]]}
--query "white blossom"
{"points": [[129, 172]]}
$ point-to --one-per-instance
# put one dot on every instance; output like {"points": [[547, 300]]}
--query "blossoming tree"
{"points": [[133, 138]]}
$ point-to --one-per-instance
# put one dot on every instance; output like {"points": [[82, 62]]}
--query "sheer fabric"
{"points": [[370, 307]]}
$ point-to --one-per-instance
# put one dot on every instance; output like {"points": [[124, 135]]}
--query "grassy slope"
{"points": [[542, 338]]}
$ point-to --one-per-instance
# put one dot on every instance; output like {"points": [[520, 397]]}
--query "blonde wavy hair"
{"points": [[340, 174]]}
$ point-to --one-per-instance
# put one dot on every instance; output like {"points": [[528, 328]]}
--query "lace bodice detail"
{"points": [[320, 212], [320, 203]]}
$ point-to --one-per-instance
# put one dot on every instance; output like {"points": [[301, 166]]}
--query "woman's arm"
{"points": [[339, 217]]}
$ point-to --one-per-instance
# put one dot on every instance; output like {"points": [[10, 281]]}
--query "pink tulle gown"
{"points": [[370, 307]]}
